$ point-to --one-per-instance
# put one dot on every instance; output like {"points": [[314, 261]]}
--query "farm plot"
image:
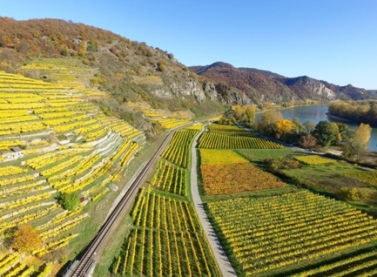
{"points": [[314, 160], [368, 177], [221, 141], [229, 130], [225, 172], [276, 234], [178, 149], [167, 240], [170, 178], [360, 264]]}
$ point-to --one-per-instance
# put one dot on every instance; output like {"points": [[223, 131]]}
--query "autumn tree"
{"points": [[244, 114], [307, 141], [82, 48], [26, 238], [283, 127], [354, 148], [362, 134], [268, 121], [161, 66], [250, 115]]}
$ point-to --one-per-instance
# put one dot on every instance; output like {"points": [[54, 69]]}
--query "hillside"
{"points": [[131, 71], [53, 142], [258, 86], [128, 70]]}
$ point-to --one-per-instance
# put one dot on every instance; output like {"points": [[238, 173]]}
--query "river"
{"points": [[317, 114]]}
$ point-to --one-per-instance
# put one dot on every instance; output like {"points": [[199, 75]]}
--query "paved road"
{"points": [[217, 250]]}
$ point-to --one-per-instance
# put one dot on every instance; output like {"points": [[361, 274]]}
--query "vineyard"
{"points": [[12, 265], [167, 119], [167, 240], [170, 178], [314, 160], [368, 177], [225, 172], [217, 140], [178, 149], [267, 234], [360, 264], [213, 156], [54, 141], [230, 130]]}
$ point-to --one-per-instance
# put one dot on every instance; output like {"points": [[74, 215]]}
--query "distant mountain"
{"points": [[259, 85]]}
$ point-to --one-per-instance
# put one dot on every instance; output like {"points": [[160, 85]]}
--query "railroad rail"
{"points": [[82, 267]]}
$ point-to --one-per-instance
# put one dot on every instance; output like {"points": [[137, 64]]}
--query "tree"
{"points": [[298, 127], [69, 201], [326, 133], [283, 127], [362, 134], [161, 66], [250, 115], [244, 114], [354, 148], [267, 123], [26, 238], [338, 135], [82, 48], [309, 126], [307, 141]]}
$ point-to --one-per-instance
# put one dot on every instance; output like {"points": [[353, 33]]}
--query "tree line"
{"points": [[360, 111], [307, 135]]}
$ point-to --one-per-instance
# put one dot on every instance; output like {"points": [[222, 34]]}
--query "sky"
{"points": [[331, 40]]}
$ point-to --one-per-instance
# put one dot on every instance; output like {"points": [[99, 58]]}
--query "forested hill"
{"points": [[128, 70], [260, 85]]}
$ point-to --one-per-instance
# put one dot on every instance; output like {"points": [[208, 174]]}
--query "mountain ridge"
{"points": [[133, 71], [277, 88]]}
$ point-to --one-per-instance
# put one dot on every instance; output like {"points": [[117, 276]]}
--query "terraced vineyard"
{"points": [[53, 140], [167, 239], [168, 120], [266, 234]]}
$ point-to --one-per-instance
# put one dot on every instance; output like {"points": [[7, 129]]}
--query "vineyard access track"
{"points": [[220, 256]]}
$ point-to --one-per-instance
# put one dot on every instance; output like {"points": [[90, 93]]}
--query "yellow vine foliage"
{"points": [[213, 156]]}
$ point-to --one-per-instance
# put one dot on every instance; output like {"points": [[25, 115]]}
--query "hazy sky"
{"points": [[332, 40]]}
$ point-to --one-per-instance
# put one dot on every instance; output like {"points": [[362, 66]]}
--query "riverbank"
{"points": [[339, 118]]}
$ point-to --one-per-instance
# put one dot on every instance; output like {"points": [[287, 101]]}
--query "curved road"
{"points": [[225, 267]]}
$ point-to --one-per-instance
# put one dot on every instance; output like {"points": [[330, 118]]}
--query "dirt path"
{"points": [[225, 267]]}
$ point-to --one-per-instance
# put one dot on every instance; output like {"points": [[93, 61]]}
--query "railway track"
{"points": [[84, 266]]}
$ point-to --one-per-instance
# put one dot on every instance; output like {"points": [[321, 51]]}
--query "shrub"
{"points": [[69, 201]]}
